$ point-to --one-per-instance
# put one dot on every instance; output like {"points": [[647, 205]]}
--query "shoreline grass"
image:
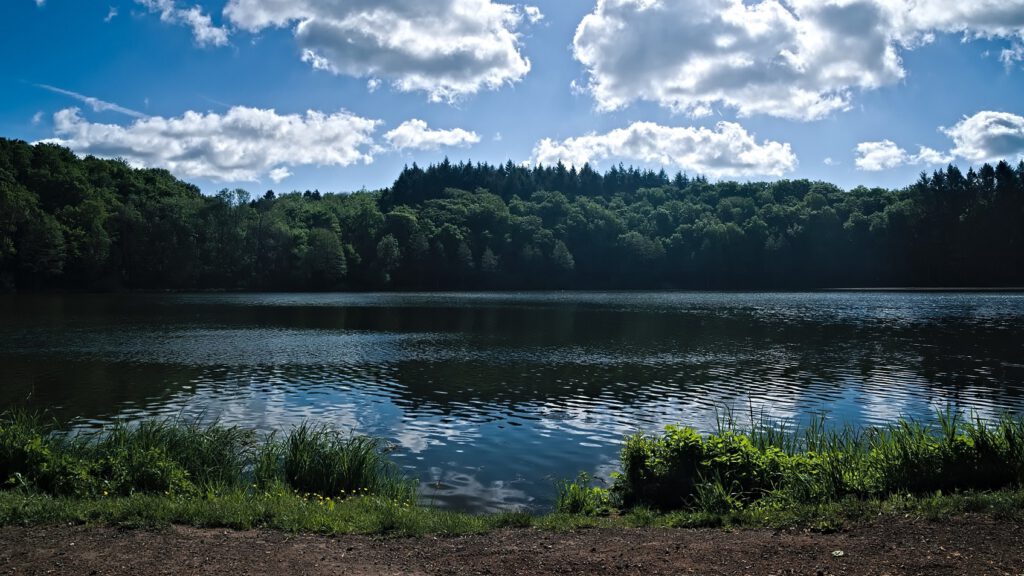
{"points": [[313, 479], [767, 463], [382, 517]]}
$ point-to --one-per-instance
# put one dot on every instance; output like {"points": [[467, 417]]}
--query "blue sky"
{"points": [[851, 91]]}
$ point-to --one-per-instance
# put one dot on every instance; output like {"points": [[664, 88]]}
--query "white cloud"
{"points": [[96, 104], [797, 59], [242, 144], [829, 162], [727, 151], [916, 19], [111, 14], [1012, 55], [885, 155], [446, 48], [373, 84], [316, 61], [988, 136], [984, 137], [203, 30], [931, 157], [279, 174], [37, 118], [533, 14], [40, 3], [416, 135]]}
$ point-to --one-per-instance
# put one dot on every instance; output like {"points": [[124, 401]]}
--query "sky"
{"points": [[339, 95]]}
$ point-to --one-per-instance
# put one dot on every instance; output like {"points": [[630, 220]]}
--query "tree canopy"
{"points": [[72, 223]]}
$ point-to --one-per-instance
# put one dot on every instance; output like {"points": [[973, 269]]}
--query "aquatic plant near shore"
{"points": [[580, 497], [165, 457], [320, 460], [734, 468], [754, 476]]}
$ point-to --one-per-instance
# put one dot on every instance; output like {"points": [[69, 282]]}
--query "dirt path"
{"points": [[969, 545]]}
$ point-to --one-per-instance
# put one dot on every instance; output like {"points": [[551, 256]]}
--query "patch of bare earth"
{"points": [[968, 545]]}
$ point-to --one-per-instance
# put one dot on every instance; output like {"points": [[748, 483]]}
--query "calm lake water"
{"points": [[489, 398]]}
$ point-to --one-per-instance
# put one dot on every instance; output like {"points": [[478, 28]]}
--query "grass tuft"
{"points": [[320, 461], [580, 497]]}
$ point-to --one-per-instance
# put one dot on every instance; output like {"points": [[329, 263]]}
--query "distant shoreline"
{"points": [[931, 289], [921, 289]]}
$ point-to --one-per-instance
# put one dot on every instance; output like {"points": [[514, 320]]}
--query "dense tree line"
{"points": [[71, 223]]}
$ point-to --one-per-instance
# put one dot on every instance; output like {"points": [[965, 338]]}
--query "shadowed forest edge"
{"points": [[90, 224]]}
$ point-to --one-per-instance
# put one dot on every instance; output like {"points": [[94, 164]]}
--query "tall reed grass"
{"points": [[168, 457], [319, 460]]}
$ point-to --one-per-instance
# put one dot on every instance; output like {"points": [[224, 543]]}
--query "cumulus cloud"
{"points": [[203, 30], [882, 155], [111, 14], [446, 48], [797, 59], [931, 157], [726, 151], [885, 155], [916, 19], [244, 144], [416, 135], [988, 136], [96, 104]]}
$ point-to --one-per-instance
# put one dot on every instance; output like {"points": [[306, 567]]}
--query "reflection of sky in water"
{"points": [[488, 399]]}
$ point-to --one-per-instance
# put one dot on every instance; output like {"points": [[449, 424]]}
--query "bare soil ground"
{"points": [[967, 545]]}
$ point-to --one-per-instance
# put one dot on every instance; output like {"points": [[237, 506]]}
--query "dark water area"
{"points": [[489, 398]]}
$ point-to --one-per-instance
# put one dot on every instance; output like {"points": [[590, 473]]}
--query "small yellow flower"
{"points": [[105, 493]]}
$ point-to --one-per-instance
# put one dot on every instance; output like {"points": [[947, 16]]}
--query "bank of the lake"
{"points": [[313, 479]]}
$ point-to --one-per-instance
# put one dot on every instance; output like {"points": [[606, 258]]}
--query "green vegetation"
{"points": [[319, 460], [767, 466], [91, 224], [243, 510], [160, 457], [315, 480], [580, 497]]}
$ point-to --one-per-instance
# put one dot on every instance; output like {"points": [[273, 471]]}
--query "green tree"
{"points": [[389, 257], [325, 260], [562, 262]]}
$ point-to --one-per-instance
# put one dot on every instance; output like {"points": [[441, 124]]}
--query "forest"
{"points": [[89, 224]]}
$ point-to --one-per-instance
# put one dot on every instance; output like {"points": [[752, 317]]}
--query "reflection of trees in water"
{"points": [[492, 355], [89, 389], [624, 359]]}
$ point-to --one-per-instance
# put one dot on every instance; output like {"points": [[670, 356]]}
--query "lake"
{"points": [[489, 398]]}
